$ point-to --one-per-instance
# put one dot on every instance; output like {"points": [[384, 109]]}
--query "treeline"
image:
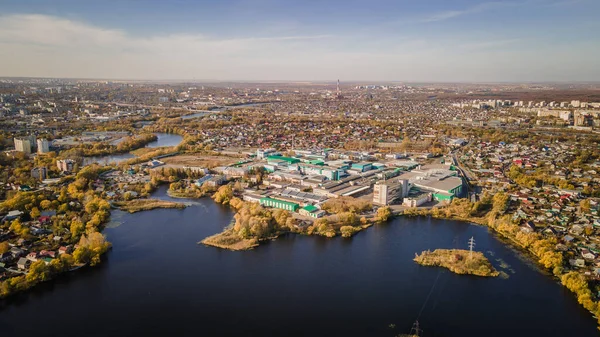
{"points": [[82, 214]]}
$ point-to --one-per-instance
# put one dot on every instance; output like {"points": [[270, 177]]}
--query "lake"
{"points": [[156, 281], [163, 139]]}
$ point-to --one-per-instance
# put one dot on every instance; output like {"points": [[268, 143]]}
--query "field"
{"points": [[229, 240]]}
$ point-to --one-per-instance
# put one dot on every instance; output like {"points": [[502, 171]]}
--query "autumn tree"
{"points": [[384, 213]]}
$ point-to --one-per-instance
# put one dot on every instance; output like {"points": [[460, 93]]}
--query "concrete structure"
{"points": [[276, 203], [23, 145], [65, 165], [263, 153], [417, 199], [43, 145], [390, 191]]}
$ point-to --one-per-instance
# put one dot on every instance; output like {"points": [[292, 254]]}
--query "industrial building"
{"points": [[387, 192], [276, 203], [308, 169], [417, 198]]}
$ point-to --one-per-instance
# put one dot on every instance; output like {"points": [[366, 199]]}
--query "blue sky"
{"points": [[389, 40]]}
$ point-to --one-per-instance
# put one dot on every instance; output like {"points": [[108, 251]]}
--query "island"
{"points": [[138, 205], [458, 261]]}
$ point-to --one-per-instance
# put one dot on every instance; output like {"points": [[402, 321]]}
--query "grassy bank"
{"points": [[228, 239], [186, 193], [458, 261], [139, 205]]}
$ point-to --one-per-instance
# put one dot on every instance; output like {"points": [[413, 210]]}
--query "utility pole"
{"points": [[471, 245]]}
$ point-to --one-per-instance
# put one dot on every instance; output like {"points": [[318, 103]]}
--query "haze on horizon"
{"points": [[310, 40]]}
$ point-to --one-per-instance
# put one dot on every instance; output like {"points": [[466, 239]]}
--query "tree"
{"points": [[76, 228], [223, 194], [38, 272], [46, 204], [82, 255], [500, 202], [585, 205], [347, 231], [35, 213], [384, 213], [4, 247]]}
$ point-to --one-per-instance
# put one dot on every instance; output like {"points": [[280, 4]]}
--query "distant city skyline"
{"points": [[269, 40]]}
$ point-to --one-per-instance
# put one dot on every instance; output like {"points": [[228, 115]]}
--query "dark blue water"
{"points": [[157, 281], [165, 139]]}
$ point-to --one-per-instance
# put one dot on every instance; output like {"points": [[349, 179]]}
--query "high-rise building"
{"points": [[65, 165], [389, 191], [43, 145], [23, 145], [39, 173]]}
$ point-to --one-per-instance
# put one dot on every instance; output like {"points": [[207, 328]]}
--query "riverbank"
{"points": [[138, 205], [458, 261]]}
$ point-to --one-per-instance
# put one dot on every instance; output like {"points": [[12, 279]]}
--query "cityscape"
{"points": [[146, 198]]}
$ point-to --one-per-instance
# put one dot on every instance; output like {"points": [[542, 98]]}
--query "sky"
{"points": [[303, 40]]}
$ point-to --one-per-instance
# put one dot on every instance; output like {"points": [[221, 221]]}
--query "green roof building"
{"points": [[276, 203], [289, 160], [311, 211]]}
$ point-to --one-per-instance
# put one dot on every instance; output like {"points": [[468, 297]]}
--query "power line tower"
{"points": [[415, 331], [471, 246]]}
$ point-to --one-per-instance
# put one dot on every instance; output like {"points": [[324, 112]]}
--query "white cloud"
{"points": [[482, 7], [38, 45]]}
